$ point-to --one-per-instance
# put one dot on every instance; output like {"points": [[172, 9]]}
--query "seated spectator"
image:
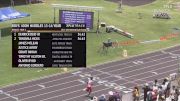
{"points": [[168, 86], [93, 98], [118, 96], [102, 98], [111, 96]]}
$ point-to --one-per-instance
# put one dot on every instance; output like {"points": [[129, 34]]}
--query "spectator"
{"points": [[156, 84], [102, 98], [136, 94], [154, 95], [93, 98], [168, 87], [149, 95], [118, 96], [176, 95], [146, 89], [161, 94], [172, 94], [111, 96], [164, 87]]}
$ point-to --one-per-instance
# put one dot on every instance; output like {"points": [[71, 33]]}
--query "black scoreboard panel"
{"points": [[48, 45]]}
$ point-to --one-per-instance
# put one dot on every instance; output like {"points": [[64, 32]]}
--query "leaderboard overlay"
{"points": [[48, 45]]}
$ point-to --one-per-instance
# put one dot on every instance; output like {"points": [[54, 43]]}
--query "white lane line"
{"points": [[9, 95], [112, 75], [109, 72], [143, 64], [40, 89], [70, 77], [95, 92], [155, 72], [87, 72], [92, 93], [58, 74], [40, 83], [142, 79], [84, 94], [151, 71], [105, 73], [42, 86], [101, 73], [143, 67], [94, 87], [128, 76], [166, 55]]}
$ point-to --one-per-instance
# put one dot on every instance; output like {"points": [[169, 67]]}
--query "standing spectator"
{"points": [[136, 94], [168, 87], [176, 95], [149, 95], [164, 88], [161, 94], [154, 95], [146, 89], [172, 94], [155, 85]]}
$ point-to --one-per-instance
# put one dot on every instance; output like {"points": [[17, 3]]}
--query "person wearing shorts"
{"points": [[89, 86]]}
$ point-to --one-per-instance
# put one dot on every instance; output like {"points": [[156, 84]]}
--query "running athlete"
{"points": [[89, 86]]}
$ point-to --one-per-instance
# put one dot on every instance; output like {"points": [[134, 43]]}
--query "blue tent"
{"points": [[9, 13]]}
